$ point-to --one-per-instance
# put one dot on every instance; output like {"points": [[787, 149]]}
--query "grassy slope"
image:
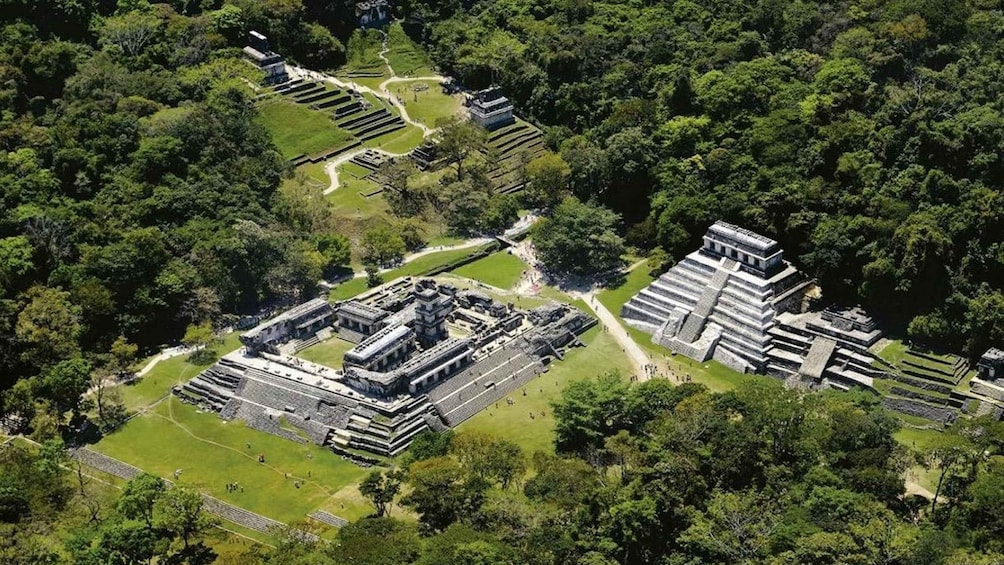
{"points": [[358, 285], [501, 269], [158, 382], [406, 57], [537, 434], [298, 130], [212, 452]]}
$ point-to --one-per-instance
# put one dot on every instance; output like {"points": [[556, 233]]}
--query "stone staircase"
{"points": [[696, 320]]}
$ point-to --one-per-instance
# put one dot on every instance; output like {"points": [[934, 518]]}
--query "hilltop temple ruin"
{"points": [[426, 356], [261, 55], [490, 109]]}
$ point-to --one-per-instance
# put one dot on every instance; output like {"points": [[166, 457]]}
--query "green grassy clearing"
{"points": [[428, 105], [537, 434], [614, 298], [314, 174], [158, 382], [213, 452], [329, 352], [917, 440], [298, 130], [358, 285], [501, 269], [400, 141], [406, 57]]}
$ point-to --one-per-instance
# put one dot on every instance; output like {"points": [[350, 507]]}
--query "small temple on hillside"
{"points": [[490, 109], [373, 14], [268, 61]]}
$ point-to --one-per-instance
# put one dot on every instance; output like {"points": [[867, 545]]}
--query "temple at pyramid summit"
{"points": [[736, 300]]}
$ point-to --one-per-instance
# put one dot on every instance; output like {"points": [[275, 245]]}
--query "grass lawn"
{"points": [[500, 269], [400, 141], [298, 130], [348, 198], [406, 57], [614, 298], [329, 352], [358, 285], [158, 382], [212, 452], [426, 105], [537, 434], [917, 440], [315, 174]]}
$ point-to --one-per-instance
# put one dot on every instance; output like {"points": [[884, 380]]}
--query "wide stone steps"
{"points": [[328, 518]]}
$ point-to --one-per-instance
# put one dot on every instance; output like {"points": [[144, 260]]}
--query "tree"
{"points": [[458, 139], [321, 49], [587, 412], [139, 498], [548, 180], [335, 249], [131, 32], [403, 199], [49, 325], [442, 493], [490, 458], [373, 276], [198, 338], [127, 543], [429, 444], [381, 489], [579, 238], [108, 400], [376, 541], [382, 246], [65, 384], [15, 260], [736, 527], [179, 511], [121, 355]]}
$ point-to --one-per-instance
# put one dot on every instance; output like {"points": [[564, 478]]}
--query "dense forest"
{"points": [[865, 136], [676, 475], [141, 203], [138, 196]]}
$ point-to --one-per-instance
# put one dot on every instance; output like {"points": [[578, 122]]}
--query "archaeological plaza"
{"points": [[426, 356]]}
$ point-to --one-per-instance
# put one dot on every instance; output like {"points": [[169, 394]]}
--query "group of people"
{"points": [[234, 487]]}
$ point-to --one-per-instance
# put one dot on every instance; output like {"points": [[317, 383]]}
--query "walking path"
{"points": [[634, 352], [382, 92], [586, 290]]}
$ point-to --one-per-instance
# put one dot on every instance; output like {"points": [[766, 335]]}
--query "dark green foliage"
{"points": [[138, 196], [376, 541], [579, 238], [863, 136]]}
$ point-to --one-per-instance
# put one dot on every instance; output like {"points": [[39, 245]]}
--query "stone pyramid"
{"points": [[721, 301]]}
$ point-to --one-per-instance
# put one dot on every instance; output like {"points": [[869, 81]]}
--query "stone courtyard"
{"points": [[427, 356]]}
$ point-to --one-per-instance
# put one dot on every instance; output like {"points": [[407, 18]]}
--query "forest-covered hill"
{"points": [[866, 136]]}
